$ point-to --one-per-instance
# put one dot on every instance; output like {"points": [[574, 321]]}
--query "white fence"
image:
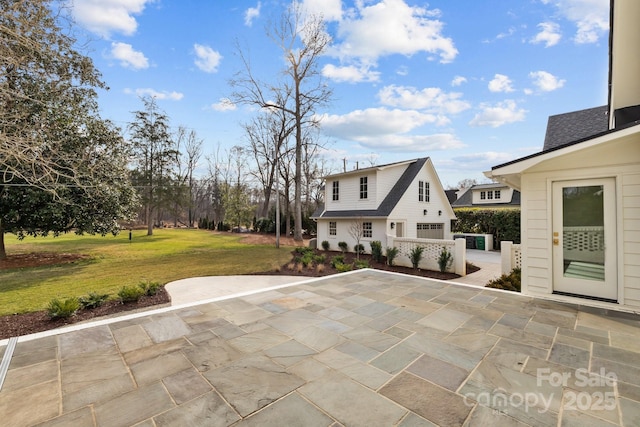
{"points": [[432, 250], [511, 256]]}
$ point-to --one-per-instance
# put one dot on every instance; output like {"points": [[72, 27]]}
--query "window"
{"points": [[336, 190], [483, 195], [332, 228], [496, 194], [367, 229], [423, 191], [489, 195], [363, 187]]}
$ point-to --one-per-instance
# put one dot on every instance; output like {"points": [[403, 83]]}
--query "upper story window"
{"points": [[496, 194], [489, 195], [364, 188], [483, 195], [336, 190], [423, 191]]}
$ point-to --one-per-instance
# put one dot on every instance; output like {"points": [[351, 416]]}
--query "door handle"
{"points": [[556, 242]]}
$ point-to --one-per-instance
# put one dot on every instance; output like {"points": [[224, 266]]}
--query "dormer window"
{"points": [[336, 191], [364, 188], [496, 194], [483, 195]]}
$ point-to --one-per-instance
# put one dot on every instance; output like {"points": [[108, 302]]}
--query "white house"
{"points": [[403, 199], [581, 194], [494, 195]]}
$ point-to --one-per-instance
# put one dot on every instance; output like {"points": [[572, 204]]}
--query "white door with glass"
{"points": [[584, 238]]}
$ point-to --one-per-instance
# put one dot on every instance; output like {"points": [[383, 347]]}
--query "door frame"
{"points": [[593, 289]]}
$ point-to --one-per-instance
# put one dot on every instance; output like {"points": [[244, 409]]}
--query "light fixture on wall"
{"points": [[393, 224], [439, 213], [424, 212]]}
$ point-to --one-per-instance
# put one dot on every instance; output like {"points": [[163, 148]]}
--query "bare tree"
{"points": [[267, 134], [302, 39], [187, 164], [356, 230]]}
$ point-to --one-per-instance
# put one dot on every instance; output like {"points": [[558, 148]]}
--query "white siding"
{"points": [[619, 159], [350, 193], [411, 211], [631, 239]]}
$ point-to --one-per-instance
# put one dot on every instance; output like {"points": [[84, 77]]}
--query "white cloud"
{"points": [[104, 17], [350, 74], [458, 80], [591, 17], [172, 96], [391, 27], [497, 115], [208, 59], [549, 34], [330, 10], [415, 143], [224, 104], [545, 81], [374, 122], [128, 57], [251, 13], [500, 83], [430, 99]]}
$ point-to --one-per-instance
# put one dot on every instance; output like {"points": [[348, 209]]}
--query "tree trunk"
{"points": [[3, 252]]}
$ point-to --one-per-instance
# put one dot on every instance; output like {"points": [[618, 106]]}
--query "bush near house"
{"points": [[509, 282], [503, 224]]}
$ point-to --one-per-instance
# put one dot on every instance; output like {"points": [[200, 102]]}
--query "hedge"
{"points": [[504, 224]]}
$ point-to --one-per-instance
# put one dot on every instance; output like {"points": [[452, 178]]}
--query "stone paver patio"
{"points": [[362, 349]]}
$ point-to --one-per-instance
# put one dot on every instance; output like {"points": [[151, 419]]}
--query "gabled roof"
{"points": [[390, 201], [466, 200], [563, 129]]}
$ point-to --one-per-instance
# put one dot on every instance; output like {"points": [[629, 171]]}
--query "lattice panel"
{"points": [[583, 239], [516, 256]]}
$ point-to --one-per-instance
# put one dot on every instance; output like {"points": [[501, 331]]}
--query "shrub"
{"points": [[130, 293], [62, 309], [338, 259], [415, 256], [344, 267], [361, 263], [303, 250], [149, 288], [320, 268], [325, 245], [320, 259], [391, 254], [358, 248], [306, 260], [343, 246], [93, 300], [444, 259], [509, 282], [376, 250]]}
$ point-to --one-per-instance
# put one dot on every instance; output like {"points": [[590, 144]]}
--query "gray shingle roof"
{"points": [[390, 201], [563, 129], [466, 200]]}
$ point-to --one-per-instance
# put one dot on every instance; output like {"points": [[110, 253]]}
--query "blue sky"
{"points": [[469, 83]]}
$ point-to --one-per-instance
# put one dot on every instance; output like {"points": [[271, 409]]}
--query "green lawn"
{"points": [[115, 262]]}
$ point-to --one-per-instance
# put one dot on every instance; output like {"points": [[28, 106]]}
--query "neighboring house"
{"points": [[581, 194], [488, 196], [403, 199]]}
